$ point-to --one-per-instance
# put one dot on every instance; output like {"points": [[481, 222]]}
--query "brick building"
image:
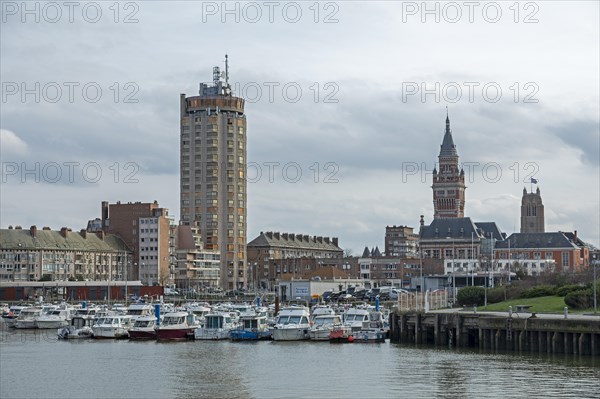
{"points": [[145, 228], [400, 241]]}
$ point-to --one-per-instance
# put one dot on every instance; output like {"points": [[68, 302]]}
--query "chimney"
{"points": [[19, 227], [270, 234], [326, 239], [104, 214], [100, 234], [276, 235], [285, 236], [305, 238], [334, 241], [575, 234], [64, 232], [45, 228], [293, 237], [10, 227], [32, 230], [299, 237], [83, 233]]}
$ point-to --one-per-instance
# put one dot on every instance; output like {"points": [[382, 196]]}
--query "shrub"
{"points": [[469, 296], [495, 295], [567, 289], [582, 299], [537, 291]]}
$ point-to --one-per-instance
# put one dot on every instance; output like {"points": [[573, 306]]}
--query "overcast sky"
{"points": [[347, 109]]}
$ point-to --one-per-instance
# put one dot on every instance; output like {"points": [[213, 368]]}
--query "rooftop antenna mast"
{"points": [[226, 71]]}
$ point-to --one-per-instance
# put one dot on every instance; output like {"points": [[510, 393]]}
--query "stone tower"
{"points": [[532, 212], [448, 183]]}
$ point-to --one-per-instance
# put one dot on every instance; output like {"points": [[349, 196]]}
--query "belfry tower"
{"points": [[448, 183]]}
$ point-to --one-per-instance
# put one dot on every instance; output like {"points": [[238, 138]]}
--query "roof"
{"points": [[448, 149], [53, 240], [327, 273], [536, 241], [490, 230], [452, 228], [285, 240]]}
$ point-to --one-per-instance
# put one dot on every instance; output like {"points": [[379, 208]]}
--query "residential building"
{"points": [[213, 186], [273, 254], [197, 268], [34, 255], [400, 241], [145, 228]]}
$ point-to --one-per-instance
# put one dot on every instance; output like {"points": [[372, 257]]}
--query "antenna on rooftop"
{"points": [[226, 71]]}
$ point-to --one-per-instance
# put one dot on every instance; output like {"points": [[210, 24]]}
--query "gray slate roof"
{"points": [[53, 240], [536, 241], [453, 228], [448, 149], [490, 230], [299, 241]]}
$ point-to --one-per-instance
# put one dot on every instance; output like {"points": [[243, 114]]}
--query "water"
{"points": [[36, 364]]}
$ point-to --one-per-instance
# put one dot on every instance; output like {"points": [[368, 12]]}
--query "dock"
{"points": [[509, 331]]}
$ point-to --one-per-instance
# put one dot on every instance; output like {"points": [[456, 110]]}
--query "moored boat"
{"points": [[216, 326], [292, 324], [10, 318], [144, 328], [177, 326], [323, 325], [80, 327], [114, 326]]}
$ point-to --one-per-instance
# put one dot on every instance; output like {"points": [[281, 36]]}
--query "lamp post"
{"points": [[594, 264]]}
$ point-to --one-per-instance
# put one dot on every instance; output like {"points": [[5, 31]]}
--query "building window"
{"points": [[565, 259]]}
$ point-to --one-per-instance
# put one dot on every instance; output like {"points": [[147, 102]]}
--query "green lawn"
{"points": [[544, 304]]}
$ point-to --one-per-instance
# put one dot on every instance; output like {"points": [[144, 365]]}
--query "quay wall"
{"points": [[519, 332]]}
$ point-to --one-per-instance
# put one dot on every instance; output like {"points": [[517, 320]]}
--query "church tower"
{"points": [[532, 212], [448, 183]]}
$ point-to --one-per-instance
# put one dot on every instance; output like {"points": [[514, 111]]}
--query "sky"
{"points": [[345, 102]]}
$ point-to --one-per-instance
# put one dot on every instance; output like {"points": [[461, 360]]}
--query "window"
{"points": [[565, 259]]}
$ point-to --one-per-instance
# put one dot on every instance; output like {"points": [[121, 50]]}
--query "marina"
{"points": [[270, 369]]}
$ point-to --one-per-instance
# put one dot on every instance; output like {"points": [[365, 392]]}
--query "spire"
{"points": [[448, 149]]}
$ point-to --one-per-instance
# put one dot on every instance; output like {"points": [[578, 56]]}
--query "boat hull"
{"points": [[109, 333], [46, 324], [319, 334], [290, 334], [140, 335], [204, 334], [25, 324], [180, 334], [245, 335]]}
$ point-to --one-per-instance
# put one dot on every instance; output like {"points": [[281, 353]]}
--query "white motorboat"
{"points": [[323, 325], [56, 318], [137, 310], [216, 326], [292, 324], [80, 327], [28, 317], [114, 326]]}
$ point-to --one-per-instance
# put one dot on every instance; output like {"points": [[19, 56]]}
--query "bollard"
{"points": [[566, 311], [474, 309], [510, 311]]}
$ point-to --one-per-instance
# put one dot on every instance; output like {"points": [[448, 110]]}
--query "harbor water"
{"points": [[34, 364]]}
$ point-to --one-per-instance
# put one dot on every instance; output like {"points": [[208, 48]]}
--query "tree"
{"points": [[348, 252]]}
